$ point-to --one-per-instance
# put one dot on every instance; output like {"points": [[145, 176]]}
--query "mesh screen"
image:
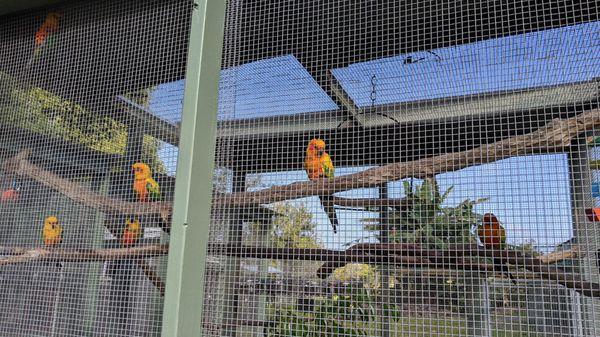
{"points": [[89, 129], [406, 168]]}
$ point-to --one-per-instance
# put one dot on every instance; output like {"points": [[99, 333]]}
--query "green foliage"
{"points": [[293, 227], [427, 221], [364, 273], [338, 315], [42, 112]]}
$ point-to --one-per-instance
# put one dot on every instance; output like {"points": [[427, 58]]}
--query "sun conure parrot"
{"points": [[493, 236], [52, 234], [131, 232], [145, 187], [318, 165], [45, 35]]}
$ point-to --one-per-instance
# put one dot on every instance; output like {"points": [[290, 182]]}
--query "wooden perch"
{"points": [[24, 255], [554, 137], [413, 255], [371, 202], [559, 256], [21, 166], [531, 263]]}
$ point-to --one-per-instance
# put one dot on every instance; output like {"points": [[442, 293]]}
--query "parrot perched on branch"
{"points": [[45, 35], [52, 234], [493, 236], [131, 232], [144, 185], [318, 165]]}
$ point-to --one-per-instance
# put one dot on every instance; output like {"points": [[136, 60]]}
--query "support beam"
{"points": [[182, 315]]}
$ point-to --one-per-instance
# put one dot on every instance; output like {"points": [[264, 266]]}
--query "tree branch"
{"points": [[413, 255], [21, 166], [554, 137], [23, 255]]}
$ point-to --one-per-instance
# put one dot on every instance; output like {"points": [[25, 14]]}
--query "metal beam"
{"points": [[153, 125], [184, 296]]}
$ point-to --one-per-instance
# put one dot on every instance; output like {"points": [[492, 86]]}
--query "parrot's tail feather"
{"points": [[328, 206], [501, 267]]}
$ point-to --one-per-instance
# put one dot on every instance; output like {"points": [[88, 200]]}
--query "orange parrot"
{"points": [[146, 188], [44, 37], [493, 236], [318, 165], [131, 233]]}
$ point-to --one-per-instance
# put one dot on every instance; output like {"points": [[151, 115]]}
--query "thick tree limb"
{"points": [[371, 202], [21, 166], [531, 263], [22, 255], [413, 255], [554, 137], [558, 256]]}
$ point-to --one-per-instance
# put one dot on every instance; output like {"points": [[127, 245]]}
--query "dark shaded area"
{"points": [[320, 34]]}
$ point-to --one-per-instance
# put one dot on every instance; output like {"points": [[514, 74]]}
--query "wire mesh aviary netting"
{"points": [[382, 168]]}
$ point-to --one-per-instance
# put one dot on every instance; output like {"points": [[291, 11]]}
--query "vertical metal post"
{"points": [[477, 305], [232, 271], [384, 231], [584, 232], [184, 296]]}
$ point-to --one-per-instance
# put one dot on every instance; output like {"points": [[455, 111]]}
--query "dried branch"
{"points": [[23, 255], [562, 255], [371, 202], [531, 263], [554, 137], [21, 166], [152, 275], [413, 255]]}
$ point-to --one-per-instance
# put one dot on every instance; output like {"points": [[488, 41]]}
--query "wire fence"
{"points": [[383, 168]]}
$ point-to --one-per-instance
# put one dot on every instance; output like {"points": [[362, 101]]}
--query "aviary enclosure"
{"points": [[382, 168]]}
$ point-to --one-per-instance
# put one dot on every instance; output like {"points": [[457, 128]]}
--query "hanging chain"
{"points": [[373, 90]]}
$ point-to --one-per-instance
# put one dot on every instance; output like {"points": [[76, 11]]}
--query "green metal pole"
{"points": [[191, 214]]}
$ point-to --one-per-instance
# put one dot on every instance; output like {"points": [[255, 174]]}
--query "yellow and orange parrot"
{"points": [[52, 234], [131, 232], [493, 236], [144, 185], [44, 37], [318, 165]]}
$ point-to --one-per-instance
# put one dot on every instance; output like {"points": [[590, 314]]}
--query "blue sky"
{"points": [[529, 194]]}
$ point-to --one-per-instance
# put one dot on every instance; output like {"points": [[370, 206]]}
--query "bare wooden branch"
{"points": [[554, 137], [21, 166], [370, 202], [562, 255], [404, 254], [531, 263], [152, 275], [23, 255]]}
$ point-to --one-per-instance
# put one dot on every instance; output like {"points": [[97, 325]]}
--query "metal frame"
{"points": [[184, 296], [191, 214]]}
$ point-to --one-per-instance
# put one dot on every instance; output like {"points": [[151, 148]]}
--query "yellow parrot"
{"points": [[52, 233], [144, 185], [131, 233], [318, 165]]}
